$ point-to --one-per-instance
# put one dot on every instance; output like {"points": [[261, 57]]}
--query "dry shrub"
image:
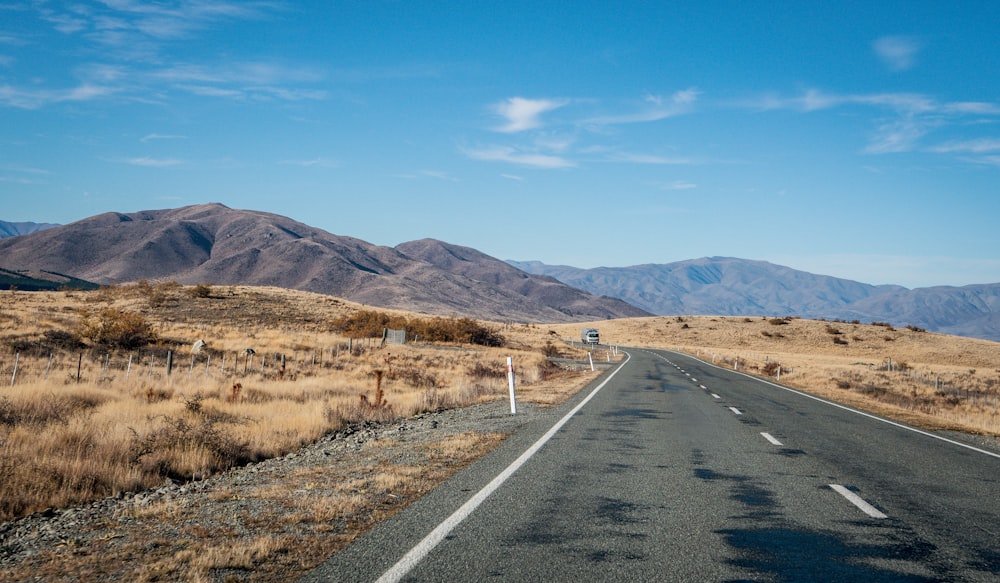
{"points": [[179, 449], [484, 370], [371, 324], [770, 368], [116, 328]]}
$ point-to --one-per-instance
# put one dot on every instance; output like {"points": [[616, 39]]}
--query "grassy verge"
{"points": [[93, 411]]}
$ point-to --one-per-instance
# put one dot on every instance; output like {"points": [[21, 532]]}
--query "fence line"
{"points": [[104, 367]]}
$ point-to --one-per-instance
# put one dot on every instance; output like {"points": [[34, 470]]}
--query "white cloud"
{"points": [[979, 146], [34, 99], [659, 108], [912, 116], [512, 177], [648, 159], [514, 156], [151, 137], [313, 163], [900, 135], [436, 174], [153, 162], [523, 114], [898, 53]]}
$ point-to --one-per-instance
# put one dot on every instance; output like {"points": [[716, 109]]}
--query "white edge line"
{"points": [[858, 501], [771, 438], [852, 410], [424, 547]]}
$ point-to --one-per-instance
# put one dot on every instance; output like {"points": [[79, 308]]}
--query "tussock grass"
{"points": [[93, 414], [929, 380]]}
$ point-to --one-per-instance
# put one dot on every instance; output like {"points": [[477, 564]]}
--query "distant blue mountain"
{"points": [[741, 287], [15, 229]]}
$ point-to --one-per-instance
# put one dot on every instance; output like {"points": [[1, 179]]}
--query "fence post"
{"points": [[48, 366], [128, 370], [17, 357], [170, 361], [79, 364]]}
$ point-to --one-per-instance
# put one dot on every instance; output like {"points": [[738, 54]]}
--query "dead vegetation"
{"points": [[929, 380], [105, 395]]}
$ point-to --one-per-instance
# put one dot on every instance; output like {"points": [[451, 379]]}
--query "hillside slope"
{"points": [[212, 243]]}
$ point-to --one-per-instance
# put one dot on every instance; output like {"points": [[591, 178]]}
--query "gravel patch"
{"points": [[261, 522]]}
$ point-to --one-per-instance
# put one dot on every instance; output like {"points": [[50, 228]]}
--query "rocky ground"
{"points": [[269, 521]]}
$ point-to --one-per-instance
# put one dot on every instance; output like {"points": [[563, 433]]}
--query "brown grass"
{"points": [[85, 419], [935, 381]]}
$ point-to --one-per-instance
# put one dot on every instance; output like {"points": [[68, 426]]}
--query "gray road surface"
{"points": [[679, 471]]}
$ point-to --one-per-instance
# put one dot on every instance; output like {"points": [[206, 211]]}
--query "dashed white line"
{"points": [[858, 501], [735, 410], [771, 438], [704, 387], [714, 396]]}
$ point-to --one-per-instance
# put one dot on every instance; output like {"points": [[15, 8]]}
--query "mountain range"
{"points": [[741, 287], [22, 228], [212, 243]]}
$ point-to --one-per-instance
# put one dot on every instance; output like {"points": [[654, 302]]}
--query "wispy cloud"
{"points": [[898, 135], [649, 159], [312, 163], [679, 185], [438, 175], [977, 146], [153, 162], [978, 151], [514, 156], [898, 53], [524, 114], [654, 108], [909, 118], [512, 177], [137, 39], [152, 137], [37, 98]]}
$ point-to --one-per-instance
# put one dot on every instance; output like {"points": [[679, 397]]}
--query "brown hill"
{"points": [[212, 243], [478, 266]]}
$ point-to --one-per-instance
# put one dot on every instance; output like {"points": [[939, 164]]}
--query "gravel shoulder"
{"points": [[273, 520]]}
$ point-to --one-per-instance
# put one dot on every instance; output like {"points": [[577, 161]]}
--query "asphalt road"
{"points": [[675, 470]]}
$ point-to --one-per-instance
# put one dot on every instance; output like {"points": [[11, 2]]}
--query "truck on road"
{"points": [[590, 336]]}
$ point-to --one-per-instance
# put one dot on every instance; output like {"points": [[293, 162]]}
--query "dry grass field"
{"points": [[88, 409], [925, 379]]}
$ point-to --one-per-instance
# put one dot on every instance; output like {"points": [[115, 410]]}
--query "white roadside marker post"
{"points": [[510, 383]]}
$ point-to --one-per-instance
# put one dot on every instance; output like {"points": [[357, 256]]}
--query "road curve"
{"points": [[670, 469]]}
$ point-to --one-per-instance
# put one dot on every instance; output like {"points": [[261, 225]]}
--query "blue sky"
{"points": [[854, 139]]}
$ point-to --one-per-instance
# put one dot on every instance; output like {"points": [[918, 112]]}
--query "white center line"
{"points": [[714, 396], [417, 553], [735, 410], [858, 501], [771, 438], [704, 387]]}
